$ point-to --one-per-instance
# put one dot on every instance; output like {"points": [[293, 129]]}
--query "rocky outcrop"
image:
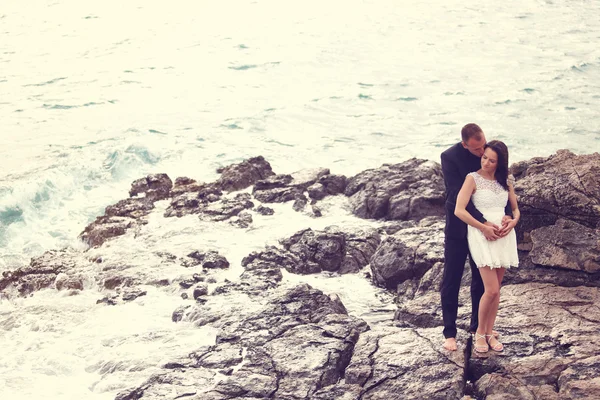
{"points": [[154, 187], [410, 190], [257, 355], [404, 363], [563, 185], [310, 251], [191, 198], [407, 255], [318, 183], [53, 269], [129, 213], [245, 174], [550, 351], [567, 245]]}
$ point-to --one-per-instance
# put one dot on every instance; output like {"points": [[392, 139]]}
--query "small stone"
{"points": [[200, 290]]}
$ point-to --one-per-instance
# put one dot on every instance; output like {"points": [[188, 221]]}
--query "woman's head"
{"points": [[495, 161]]}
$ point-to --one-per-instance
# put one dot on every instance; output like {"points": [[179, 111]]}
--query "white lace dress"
{"points": [[490, 198]]}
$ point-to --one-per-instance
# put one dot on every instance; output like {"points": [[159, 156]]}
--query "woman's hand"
{"points": [[507, 226], [490, 231]]}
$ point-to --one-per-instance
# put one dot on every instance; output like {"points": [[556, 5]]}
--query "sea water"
{"points": [[95, 95]]}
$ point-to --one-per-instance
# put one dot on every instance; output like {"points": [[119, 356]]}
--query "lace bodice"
{"points": [[489, 194]]}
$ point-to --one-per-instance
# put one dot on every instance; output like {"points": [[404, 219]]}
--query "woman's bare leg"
{"points": [[499, 272], [488, 300]]}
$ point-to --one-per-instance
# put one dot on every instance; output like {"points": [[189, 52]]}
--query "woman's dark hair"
{"points": [[502, 169]]}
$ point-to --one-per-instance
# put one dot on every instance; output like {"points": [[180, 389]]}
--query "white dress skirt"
{"points": [[490, 199]]}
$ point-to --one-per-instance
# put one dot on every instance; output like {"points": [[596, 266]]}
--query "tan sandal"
{"points": [[496, 347], [480, 348]]}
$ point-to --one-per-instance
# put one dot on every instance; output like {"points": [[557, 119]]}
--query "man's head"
{"points": [[473, 139]]}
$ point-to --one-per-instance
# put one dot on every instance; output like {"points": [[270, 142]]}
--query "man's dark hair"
{"points": [[502, 169], [469, 131]]}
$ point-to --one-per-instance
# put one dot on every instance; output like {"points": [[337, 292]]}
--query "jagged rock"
{"points": [[115, 280], [563, 185], [316, 211], [178, 313], [228, 207], [265, 210], [104, 228], [68, 282], [133, 208], [330, 250], [130, 294], [283, 188], [528, 271], [300, 202], [411, 190], [549, 351], [200, 290], [276, 189], [390, 362], [317, 191], [155, 187], [243, 220], [42, 272], [301, 321], [568, 245], [187, 283], [408, 254], [192, 198], [209, 260], [333, 184], [184, 184], [245, 174]]}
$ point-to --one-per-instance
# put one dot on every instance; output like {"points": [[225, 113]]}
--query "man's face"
{"points": [[475, 145]]}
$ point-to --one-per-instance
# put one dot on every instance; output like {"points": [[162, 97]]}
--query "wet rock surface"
{"points": [[53, 269]]}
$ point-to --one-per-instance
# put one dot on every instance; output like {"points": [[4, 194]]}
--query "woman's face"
{"points": [[489, 161]]}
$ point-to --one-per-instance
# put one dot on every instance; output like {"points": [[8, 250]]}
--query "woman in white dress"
{"points": [[490, 188]]}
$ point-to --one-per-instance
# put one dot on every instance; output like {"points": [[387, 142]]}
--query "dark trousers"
{"points": [[455, 254]]}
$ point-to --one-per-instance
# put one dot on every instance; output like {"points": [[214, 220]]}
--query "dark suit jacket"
{"points": [[457, 162]]}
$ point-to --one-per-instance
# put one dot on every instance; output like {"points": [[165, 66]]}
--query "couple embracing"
{"points": [[481, 213]]}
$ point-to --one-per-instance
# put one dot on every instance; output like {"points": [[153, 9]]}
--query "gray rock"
{"points": [[301, 321], [155, 187], [200, 290], [243, 220], [265, 210], [548, 352], [568, 245], [390, 362], [410, 190], [408, 254], [43, 271], [563, 185], [245, 174]]}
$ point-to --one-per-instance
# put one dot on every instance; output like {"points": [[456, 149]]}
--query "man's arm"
{"points": [[454, 182]]}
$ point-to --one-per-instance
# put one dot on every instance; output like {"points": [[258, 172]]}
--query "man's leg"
{"points": [[455, 255], [477, 290]]}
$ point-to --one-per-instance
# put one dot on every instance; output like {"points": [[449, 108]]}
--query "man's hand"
{"points": [[490, 231], [508, 223]]}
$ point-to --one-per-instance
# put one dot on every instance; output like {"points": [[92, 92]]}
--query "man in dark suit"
{"points": [[457, 162]]}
